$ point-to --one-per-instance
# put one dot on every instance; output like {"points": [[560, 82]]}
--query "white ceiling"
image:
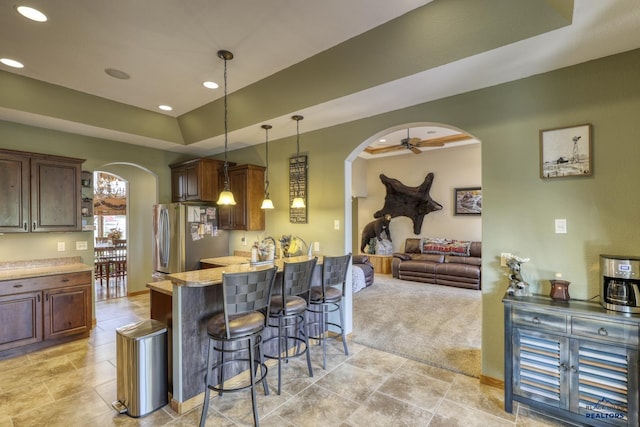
{"points": [[168, 47]]}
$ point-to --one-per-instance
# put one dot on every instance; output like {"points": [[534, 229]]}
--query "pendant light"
{"points": [[226, 196], [266, 203], [298, 202]]}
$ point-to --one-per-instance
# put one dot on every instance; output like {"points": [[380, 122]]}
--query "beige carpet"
{"points": [[438, 325]]}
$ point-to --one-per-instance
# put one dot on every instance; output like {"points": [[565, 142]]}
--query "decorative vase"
{"points": [[559, 290]]}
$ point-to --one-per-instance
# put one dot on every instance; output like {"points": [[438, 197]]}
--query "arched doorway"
{"points": [[455, 165], [110, 194], [142, 194]]}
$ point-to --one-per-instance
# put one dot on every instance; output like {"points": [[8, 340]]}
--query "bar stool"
{"points": [[246, 297], [328, 298], [288, 313]]}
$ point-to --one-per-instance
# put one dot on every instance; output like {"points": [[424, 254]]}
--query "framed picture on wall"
{"points": [[468, 201], [565, 152]]}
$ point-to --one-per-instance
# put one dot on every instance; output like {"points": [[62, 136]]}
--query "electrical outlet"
{"points": [[336, 224], [244, 241], [504, 256], [61, 247], [81, 246], [316, 246]]}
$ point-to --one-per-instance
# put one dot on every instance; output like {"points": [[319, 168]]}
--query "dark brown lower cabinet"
{"points": [[42, 311], [20, 319], [67, 311]]}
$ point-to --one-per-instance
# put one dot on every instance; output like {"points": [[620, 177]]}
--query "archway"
{"points": [[362, 201], [142, 195]]}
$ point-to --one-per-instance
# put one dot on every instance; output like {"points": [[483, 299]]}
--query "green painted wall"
{"points": [[518, 207]]}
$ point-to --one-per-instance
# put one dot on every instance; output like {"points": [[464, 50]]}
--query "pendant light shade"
{"points": [[226, 196], [266, 203], [298, 202]]}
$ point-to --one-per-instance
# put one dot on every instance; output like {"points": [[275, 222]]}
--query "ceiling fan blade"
{"points": [[385, 149], [414, 141], [439, 142], [415, 150]]}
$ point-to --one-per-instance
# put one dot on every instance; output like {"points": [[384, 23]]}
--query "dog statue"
{"points": [[374, 230]]}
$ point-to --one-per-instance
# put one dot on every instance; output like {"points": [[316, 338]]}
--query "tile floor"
{"points": [[74, 384]]}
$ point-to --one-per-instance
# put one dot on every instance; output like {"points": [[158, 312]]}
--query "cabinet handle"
{"points": [[535, 320], [563, 366], [64, 280], [17, 286], [574, 369], [46, 297], [25, 226], [38, 297], [34, 225], [603, 332]]}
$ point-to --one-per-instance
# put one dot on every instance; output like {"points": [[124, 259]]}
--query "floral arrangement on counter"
{"points": [[266, 249]]}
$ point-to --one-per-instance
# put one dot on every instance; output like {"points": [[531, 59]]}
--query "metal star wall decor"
{"points": [[412, 202]]}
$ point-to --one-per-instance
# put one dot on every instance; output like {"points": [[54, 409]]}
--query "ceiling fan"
{"points": [[414, 144]]}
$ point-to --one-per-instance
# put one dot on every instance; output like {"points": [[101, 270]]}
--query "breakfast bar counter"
{"points": [[185, 305]]}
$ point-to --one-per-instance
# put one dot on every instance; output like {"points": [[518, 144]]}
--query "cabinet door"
{"points": [[67, 311], [540, 367], [192, 182], [603, 378], [14, 193], [55, 195], [177, 184], [20, 319], [234, 217]]}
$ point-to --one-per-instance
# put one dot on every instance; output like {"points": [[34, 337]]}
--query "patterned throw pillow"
{"points": [[446, 247]]}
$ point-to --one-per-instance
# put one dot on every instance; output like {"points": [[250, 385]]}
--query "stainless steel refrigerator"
{"points": [[183, 234]]}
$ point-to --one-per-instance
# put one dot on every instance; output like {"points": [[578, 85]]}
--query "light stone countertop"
{"points": [[12, 270], [226, 260], [213, 276]]}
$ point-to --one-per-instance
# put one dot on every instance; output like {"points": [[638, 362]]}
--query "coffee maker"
{"points": [[620, 283]]}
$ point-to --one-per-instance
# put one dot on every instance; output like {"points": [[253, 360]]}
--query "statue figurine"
{"points": [[374, 230], [517, 285]]}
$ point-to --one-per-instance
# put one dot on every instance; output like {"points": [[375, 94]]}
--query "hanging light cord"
{"points": [[297, 157], [266, 182], [226, 163]]}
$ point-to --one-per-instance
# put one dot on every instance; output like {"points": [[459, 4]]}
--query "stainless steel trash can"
{"points": [[141, 366]]}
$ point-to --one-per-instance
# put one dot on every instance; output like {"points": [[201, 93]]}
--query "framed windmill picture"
{"points": [[566, 152]]}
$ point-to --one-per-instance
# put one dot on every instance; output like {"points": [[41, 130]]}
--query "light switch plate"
{"points": [[316, 246], [336, 224], [561, 226], [81, 246], [61, 247]]}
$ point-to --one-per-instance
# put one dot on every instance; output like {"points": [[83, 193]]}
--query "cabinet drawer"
{"points": [[32, 284], [540, 320], [623, 333]]}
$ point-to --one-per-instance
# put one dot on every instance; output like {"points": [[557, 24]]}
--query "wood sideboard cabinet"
{"points": [[39, 193], [247, 185], [41, 311], [195, 180], [573, 360]]}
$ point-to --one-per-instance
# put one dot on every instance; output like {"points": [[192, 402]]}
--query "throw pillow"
{"points": [[446, 247]]}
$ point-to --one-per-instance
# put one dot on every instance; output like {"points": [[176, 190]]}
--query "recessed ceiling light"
{"points": [[165, 107], [31, 13], [11, 63], [210, 85], [117, 74], [383, 140]]}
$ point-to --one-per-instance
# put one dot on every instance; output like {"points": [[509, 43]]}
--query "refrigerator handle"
{"points": [[164, 237]]}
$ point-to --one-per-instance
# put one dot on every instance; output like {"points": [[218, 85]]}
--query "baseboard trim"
{"points": [[490, 381], [145, 291]]}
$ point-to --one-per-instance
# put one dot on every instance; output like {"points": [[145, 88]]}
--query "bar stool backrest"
{"points": [[246, 292], [334, 272], [296, 279]]}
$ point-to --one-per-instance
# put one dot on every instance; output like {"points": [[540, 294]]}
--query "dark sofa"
{"points": [[437, 264]]}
